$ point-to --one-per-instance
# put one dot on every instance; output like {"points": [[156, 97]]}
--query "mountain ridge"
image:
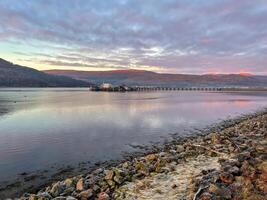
{"points": [[143, 77], [13, 75]]}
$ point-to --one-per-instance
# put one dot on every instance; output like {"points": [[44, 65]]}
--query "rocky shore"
{"points": [[229, 162]]}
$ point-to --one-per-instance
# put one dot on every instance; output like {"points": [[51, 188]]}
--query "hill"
{"points": [[140, 77], [12, 75]]}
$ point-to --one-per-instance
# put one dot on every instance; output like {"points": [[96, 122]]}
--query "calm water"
{"points": [[43, 127]]}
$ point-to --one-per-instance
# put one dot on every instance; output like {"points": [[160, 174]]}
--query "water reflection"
{"points": [[45, 127]]}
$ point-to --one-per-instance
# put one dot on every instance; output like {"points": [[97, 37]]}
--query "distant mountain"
{"points": [[12, 75], [141, 78]]}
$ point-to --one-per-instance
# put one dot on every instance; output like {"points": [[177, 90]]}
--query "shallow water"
{"points": [[40, 128]]}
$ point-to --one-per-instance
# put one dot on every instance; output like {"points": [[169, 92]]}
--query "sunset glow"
{"points": [[196, 37]]}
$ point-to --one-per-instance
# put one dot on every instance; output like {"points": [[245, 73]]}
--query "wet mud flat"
{"points": [[213, 164]]}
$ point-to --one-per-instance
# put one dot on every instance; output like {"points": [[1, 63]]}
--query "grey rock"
{"points": [[57, 189], [70, 198], [60, 198]]}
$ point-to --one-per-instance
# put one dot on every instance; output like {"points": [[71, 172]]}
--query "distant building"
{"points": [[105, 86]]}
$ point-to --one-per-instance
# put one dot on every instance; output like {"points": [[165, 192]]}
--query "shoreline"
{"points": [[107, 179]]}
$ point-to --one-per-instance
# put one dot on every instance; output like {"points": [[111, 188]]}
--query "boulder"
{"points": [[226, 177], [109, 174], [151, 157], [57, 189], [85, 195], [79, 185], [103, 196]]}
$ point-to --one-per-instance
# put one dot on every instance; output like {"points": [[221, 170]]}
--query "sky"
{"points": [[165, 36]]}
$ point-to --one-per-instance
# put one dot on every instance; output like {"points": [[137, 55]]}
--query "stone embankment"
{"points": [[227, 164]]}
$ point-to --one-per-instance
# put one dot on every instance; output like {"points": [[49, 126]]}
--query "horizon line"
{"points": [[243, 73]]}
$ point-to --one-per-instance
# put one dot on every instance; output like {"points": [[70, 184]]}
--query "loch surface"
{"points": [[40, 128]]}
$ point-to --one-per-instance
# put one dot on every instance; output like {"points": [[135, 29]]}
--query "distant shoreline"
{"points": [[183, 89], [149, 89], [143, 88]]}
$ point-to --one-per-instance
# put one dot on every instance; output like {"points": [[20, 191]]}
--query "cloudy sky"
{"points": [[174, 36]]}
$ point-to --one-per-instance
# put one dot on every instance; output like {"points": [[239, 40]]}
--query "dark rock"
{"points": [[243, 156], [226, 177], [233, 170], [224, 193]]}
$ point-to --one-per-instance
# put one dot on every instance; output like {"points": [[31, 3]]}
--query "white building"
{"points": [[105, 86]]}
